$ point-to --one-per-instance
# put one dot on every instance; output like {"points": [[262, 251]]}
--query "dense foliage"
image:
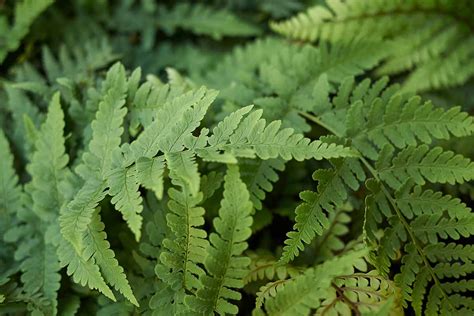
{"points": [[273, 157]]}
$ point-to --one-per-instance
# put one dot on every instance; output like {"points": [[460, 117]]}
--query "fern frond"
{"points": [[98, 247], [416, 201], [331, 242], [49, 155], [83, 270], [76, 63], [420, 232], [225, 265], [405, 122], [269, 290], [311, 218], [204, 20], [422, 163], [433, 39], [123, 187], [106, 133], [266, 267], [10, 191], [41, 275], [428, 228], [269, 141], [25, 13], [37, 252], [441, 252], [174, 121], [150, 174], [369, 292], [78, 212], [185, 251], [147, 99], [306, 292], [258, 176], [182, 166], [210, 183]]}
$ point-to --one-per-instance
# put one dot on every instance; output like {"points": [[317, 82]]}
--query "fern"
{"points": [[97, 163], [432, 39], [258, 176], [181, 255], [236, 159], [368, 291], [25, 13], [10, 193], [306, 292], [201, 19], [37, 253], [225, 265], [331, 193], [421, 164]]}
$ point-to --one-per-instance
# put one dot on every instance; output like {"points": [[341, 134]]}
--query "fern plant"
{"points": [[187, 159]]}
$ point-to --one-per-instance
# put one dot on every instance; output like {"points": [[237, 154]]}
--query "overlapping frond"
{"points": [[312, 216], [99, 248], [225, 265], [106, 132]]}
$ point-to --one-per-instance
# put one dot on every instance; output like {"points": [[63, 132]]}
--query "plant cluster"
{"points": [[274, 157]]}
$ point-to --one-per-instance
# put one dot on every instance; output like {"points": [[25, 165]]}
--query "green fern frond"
{"points": [[210, 183], [433, 39], [37, 253], [150, 174], [442, 251], [269, 141], [266, 267], [49, 155], [99, 248], [25, 13], [204, 20], [422, 163], [123, 187], [182, 166], [83, 270], [369, 292], [331, 241], [269, 290], [78, 214], [185, 251], [10, 191], [414, 235], [405, 122], [311, 218], [428, 228], [225, 265], [306, 292], [416, 201], [175, 120], [78, 62], [106, 133], [258, 176]]}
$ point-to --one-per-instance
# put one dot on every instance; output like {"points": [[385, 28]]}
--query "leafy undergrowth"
{"points": [[268, 157]]}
